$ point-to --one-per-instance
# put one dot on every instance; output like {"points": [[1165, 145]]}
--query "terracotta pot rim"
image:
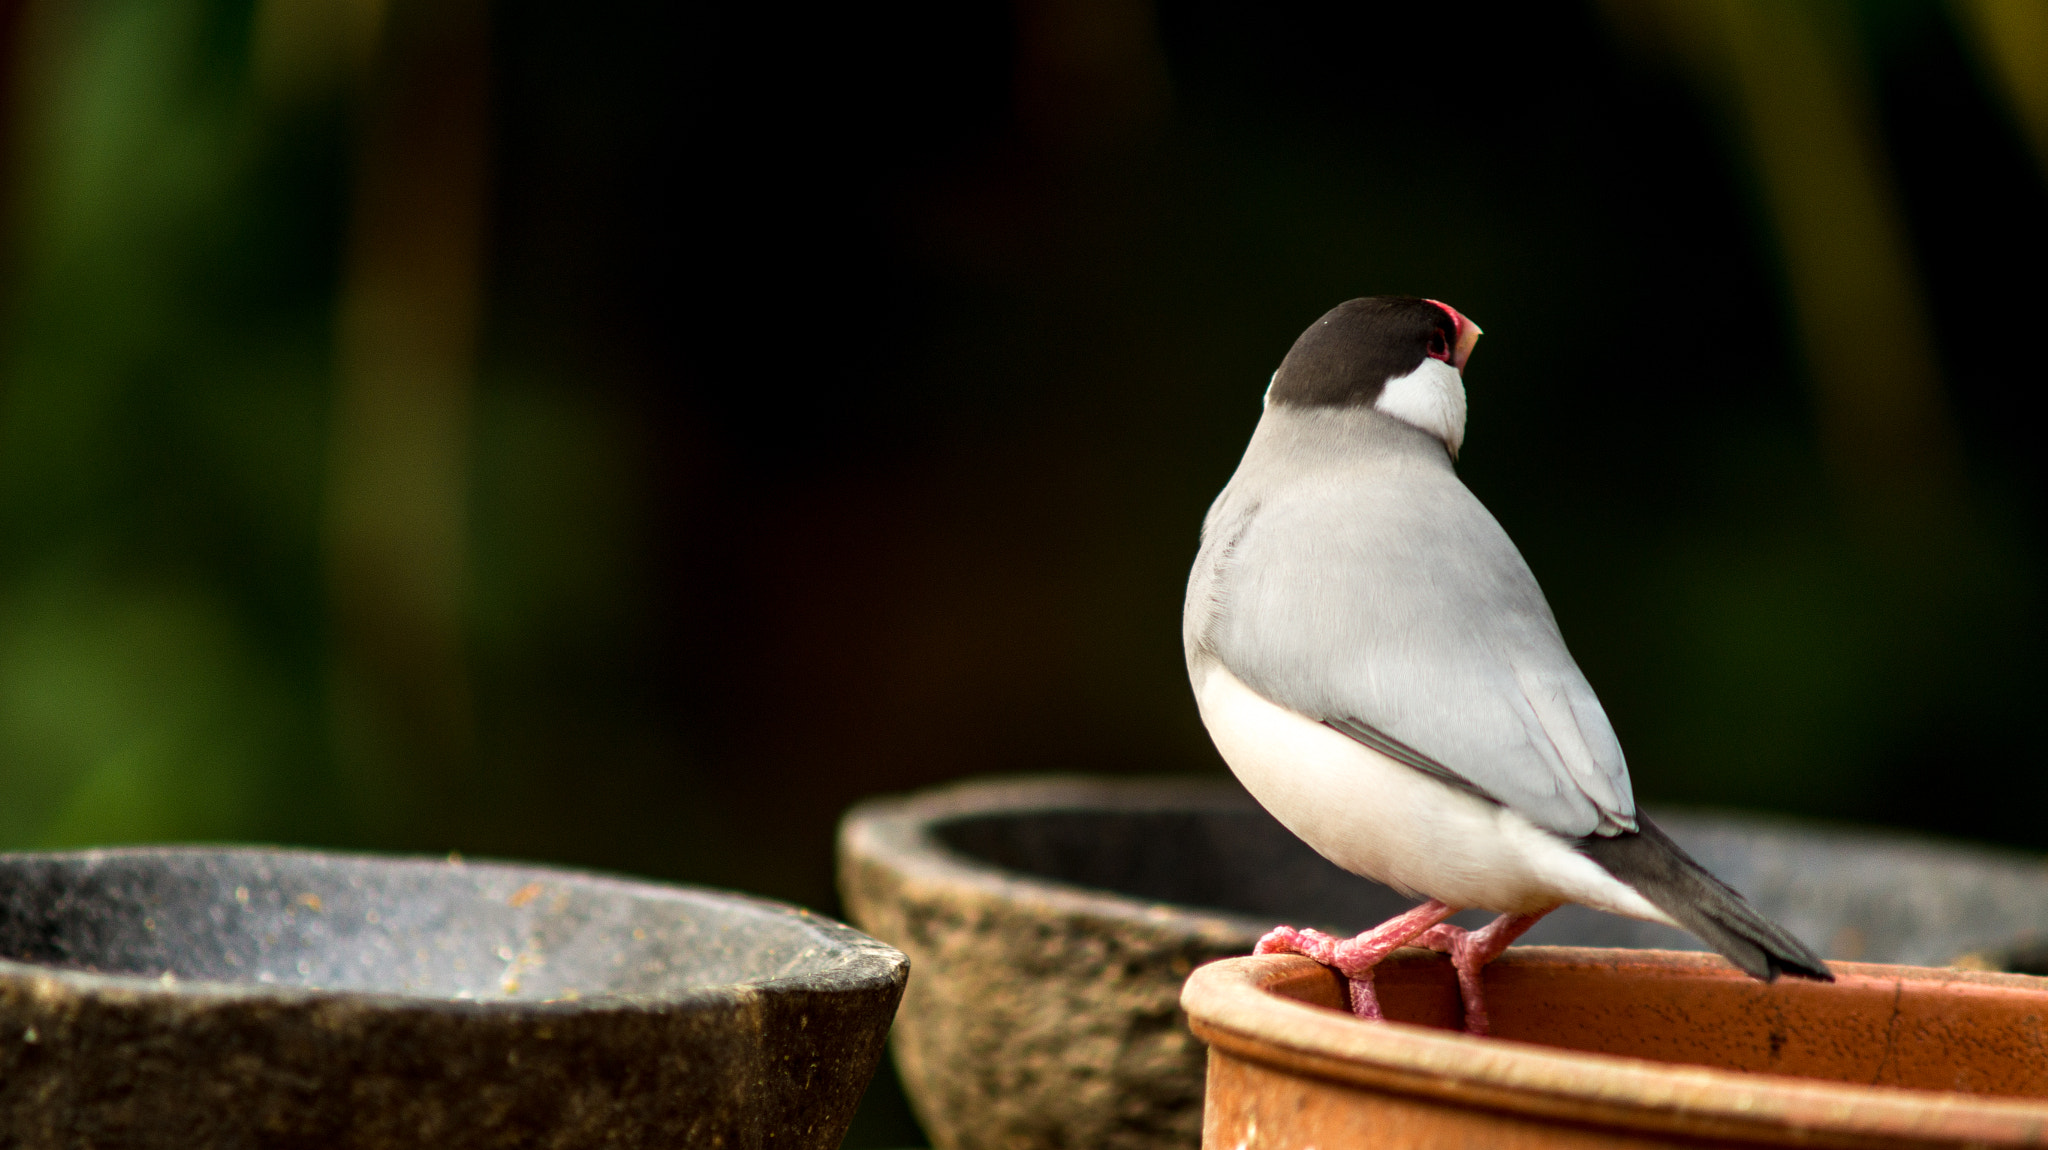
{"points": [[1231, 1004]]}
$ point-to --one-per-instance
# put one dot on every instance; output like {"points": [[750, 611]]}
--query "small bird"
{"points": [[1377, 665]]}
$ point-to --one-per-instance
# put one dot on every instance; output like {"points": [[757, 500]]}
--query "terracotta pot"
{"points": [[1051, 922], [1622, 1048]]}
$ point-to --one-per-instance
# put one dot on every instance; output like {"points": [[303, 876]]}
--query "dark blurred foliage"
{"points": [[626, 435]]}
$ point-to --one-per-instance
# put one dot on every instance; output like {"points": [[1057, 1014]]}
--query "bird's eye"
{"points": [[1438, 348]]}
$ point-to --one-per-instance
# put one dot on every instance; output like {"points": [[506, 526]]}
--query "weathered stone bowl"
{"points": [[218, 997], [1052, 922]]}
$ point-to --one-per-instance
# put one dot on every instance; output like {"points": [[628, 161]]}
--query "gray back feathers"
{"points": [[1347, 574]]}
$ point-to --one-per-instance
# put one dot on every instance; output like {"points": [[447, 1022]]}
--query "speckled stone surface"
{"points": [[1053, 920], [200, 997], [1043, 1014]]}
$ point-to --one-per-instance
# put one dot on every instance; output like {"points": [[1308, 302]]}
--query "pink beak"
{"points": [[1468, 336]]}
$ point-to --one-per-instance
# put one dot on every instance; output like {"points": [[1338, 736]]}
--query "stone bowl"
{"points": [[1053, 920], [1598, 1049], [235, 997]]}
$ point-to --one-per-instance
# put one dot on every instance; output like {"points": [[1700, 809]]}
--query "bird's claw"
{"points": [[1312, 944], [1459, 944], [1470, 951], [1331, 952], [1446, 939]]}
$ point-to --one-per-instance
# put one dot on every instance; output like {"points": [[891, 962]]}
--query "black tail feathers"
{"points": [[1662, 872]]}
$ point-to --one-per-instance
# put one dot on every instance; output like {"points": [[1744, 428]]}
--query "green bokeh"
{"points": [[847, 398]]}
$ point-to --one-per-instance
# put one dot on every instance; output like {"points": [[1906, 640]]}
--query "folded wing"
{"points": [[1395, 608]]}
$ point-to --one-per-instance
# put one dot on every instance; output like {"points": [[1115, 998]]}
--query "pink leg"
{"points": [[1354, 958], [1472, 949]]}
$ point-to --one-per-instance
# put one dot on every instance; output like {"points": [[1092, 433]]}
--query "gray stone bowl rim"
{"points": [[902, 831], [854, 961]]}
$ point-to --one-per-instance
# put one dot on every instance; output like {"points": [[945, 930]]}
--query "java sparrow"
{"points": [[1377, 665]]}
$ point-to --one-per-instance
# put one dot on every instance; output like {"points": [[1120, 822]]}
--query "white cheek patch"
{"points": [[1432, 397]]}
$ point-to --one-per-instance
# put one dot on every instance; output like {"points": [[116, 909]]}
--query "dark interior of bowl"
{"points": [[420, 927], [1853, 894], [1241, 861]]}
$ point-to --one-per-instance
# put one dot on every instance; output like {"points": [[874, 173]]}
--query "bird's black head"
{"points": [[1346, 358]]}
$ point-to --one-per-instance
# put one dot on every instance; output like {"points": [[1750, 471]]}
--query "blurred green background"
{"points": [[626, 435]]}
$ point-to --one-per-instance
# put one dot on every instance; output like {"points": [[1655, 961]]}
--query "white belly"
{"points": [[1379, 818]]}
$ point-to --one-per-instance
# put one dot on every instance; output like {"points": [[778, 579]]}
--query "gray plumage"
{"points": [[1347, 574], [1347, 578]]}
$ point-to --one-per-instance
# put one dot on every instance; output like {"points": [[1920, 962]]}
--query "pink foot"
{"points": [[1307, 943], [1470, 950], [1355, 958]]}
